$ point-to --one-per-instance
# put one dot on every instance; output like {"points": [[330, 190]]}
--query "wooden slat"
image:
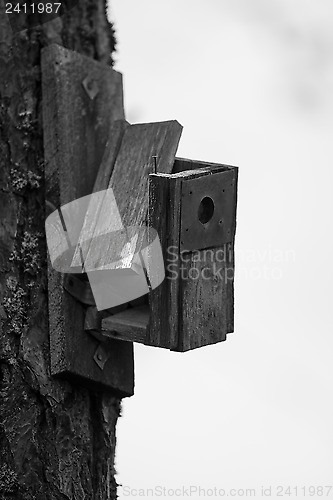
{"points": [[204, 299], [166, 301], [76, 129], [129, 182], [183, 313], [231, 268], [164, 216], [206, 304], [129, 179], [100, 206], [186, 312], [182, 164], [80, 125], [130, 325], [230, 273]]}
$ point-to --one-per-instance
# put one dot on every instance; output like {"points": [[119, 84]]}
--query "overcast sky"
{"points": [[251, 81]]}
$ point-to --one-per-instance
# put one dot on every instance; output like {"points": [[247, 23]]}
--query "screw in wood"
{"points": [[155, 164]]}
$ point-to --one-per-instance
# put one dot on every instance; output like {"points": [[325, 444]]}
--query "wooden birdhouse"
{"points": [[193, 210]]}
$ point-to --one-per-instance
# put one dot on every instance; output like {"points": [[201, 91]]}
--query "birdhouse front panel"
{"points": [[194, 212]]}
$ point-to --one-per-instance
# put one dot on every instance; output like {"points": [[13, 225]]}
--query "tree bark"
{"points": [[57, 441]]}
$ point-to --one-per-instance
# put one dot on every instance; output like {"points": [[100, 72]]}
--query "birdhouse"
{"points": [[141, 243], [193, 210]]}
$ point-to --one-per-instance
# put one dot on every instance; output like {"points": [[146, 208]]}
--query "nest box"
{"points": [[160, 268]]}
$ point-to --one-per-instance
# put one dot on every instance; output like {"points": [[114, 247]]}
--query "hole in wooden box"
{"points": [[205, 210]]}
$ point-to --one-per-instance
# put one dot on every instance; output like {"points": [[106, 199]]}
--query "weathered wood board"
{"points": [[182, 164], [128, 325], [101, 206], [129, 185], [164, 216], [81, 99], [193, 306]]}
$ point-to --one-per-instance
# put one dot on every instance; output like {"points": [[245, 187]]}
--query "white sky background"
{"points": [[251, 81]]}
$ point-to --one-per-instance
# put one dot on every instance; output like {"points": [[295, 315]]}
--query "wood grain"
{"points": [[182, 164], [100, 207], [204, 299], [130, 325], [57, 439], [129, 183], [193, 307], [76, 129], [164, 217], [207, 281]]}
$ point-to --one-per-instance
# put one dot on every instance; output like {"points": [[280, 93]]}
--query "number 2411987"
{"points": [[38, 8]]}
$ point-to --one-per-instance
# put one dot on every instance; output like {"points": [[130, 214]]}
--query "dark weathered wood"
{"points": [[230, 269], [76, 129], [204, 299], [207, 305], [194, 305], [111, 151], [129, 183], [182, 164], [83, 123], [135, 159], [130, 325], [187, 164], [164, 217], [207, 215], [93, 320], [207, 275], [99, 206], [230, 275]]}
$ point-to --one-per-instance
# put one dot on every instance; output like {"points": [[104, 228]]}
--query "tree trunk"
{"points": [[57, 441]]}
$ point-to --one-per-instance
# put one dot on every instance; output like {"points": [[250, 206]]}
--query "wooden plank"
{"points": [[206, 286], [193, 307], [204, 299], [212, 196], [231, 267], [182, 164], [81, 126], [130, 325], [166, 301], [134, 163], [230, 277], [76, 129], [206, 310], [129, 183], [112, 147], [100, 207], [164, 217]]}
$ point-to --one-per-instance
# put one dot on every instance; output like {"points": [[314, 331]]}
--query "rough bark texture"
{"points": [[57, 441]]}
